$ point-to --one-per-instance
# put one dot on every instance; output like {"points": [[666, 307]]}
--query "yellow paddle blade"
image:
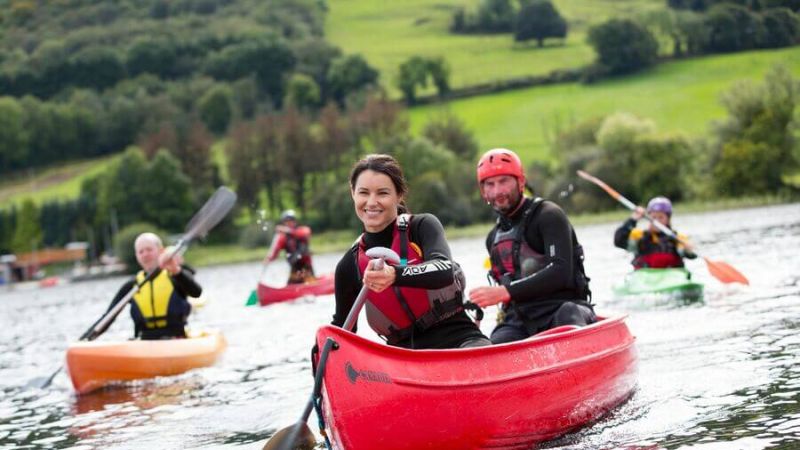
{"points": [[487, 263], [725, 273]]}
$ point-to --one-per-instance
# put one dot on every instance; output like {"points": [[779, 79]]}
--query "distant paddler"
{"points": [[294, 239], [651, 247]]}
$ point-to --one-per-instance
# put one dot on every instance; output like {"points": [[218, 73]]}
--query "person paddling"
{"points": [[652, 248], [295, 240], [160, 308], [536, 260], [416, 302]]}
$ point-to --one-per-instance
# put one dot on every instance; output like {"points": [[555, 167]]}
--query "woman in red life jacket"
{"points": [[294, 240], [652, 248], [417, 303]]}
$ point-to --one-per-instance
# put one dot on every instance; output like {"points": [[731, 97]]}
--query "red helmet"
{"points": [[500, 161]]}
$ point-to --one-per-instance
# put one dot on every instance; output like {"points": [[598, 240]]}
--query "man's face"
{"points": [[147, 254], [502, 192]]}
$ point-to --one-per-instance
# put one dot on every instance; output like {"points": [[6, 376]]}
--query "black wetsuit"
{"points": [[427, 232], [555, 295], [177, 312]]}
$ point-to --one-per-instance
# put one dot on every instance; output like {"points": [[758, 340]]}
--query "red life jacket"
{"points": [[397, 312], [656, 251]]}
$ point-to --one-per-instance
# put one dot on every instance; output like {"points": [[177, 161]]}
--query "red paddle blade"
{"points": [[725, 273]]}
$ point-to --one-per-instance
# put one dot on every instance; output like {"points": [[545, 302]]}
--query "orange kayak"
{"points": [[94, 364]]}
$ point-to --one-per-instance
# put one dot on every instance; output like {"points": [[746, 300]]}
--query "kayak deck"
{"points": [[92, 365], [673, 281], [502, 397], [268, 295]]}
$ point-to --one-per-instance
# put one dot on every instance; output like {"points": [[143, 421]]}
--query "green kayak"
{"points": [[672, 281]]}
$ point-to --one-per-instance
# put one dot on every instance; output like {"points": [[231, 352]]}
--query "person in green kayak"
{"points": [[294, 240], [160, 308], [536, 260], [417, 302], [652, 248]]}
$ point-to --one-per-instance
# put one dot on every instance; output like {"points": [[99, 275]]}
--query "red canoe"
{"points": [[268, 295], [507, 396]]}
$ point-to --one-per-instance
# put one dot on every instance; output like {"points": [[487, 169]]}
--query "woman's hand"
{"points": [[378, 280]]}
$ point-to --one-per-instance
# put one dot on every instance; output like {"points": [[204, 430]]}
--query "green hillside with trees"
{"points": [[134, 95]]}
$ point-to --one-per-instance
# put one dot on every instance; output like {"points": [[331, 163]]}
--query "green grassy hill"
{"points": [[387, 33], [55, 183], [680, 96]]}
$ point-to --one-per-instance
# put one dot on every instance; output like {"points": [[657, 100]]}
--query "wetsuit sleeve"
{"points": [[623, 233], [553, 230], [348, 284], [185, 284], [436, 270]]}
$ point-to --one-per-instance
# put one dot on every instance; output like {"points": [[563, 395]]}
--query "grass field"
{"points": [[680, 96], [57, 183], [388, 33]]}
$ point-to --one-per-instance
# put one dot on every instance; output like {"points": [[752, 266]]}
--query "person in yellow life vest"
{"points": [[652, 248], [160, 308]]}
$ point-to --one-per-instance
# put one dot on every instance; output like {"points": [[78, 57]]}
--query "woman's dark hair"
{"points": [[386, 165]]}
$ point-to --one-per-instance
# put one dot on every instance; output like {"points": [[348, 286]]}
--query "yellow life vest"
{"points": [[153, 298]]}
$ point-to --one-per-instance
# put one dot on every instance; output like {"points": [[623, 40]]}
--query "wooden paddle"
{"points": [[212, 212], [720, 270], [299, 435]]}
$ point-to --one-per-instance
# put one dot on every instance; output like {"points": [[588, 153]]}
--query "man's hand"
{"points": [[171, 265], [489, 295]]}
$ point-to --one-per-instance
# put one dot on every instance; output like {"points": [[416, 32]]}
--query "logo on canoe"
{"points": [[354, 374]]}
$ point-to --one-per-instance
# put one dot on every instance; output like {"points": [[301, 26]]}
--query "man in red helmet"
{"points": [[294, 240], [652, 248], [537, 263]]}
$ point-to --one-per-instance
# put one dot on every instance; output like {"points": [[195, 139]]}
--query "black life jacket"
{"points": [[513, 258]]}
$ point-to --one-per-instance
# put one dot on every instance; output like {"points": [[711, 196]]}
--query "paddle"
{"points": [[253, 298], [720, 270], [212, 212], [299, 435]]}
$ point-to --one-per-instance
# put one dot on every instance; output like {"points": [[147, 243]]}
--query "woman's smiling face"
{"points": [[376, 200]]}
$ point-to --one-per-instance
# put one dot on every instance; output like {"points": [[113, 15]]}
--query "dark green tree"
{"points": [[350, 74], [623, 46], [215, 108], [781, 28], [539, 20], [13, 136]]}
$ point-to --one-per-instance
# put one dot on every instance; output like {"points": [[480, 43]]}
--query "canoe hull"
{"points": [[507, 396], [92, 365], [268, 295], [671, 281]]}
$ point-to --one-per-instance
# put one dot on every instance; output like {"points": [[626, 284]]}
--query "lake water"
{"points": [[722, 374]]}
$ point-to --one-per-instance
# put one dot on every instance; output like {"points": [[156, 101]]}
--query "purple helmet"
{"points": [[660, 204]]}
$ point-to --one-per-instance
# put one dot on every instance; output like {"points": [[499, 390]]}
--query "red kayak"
{"points": [[268, 295], [507, 396]]}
